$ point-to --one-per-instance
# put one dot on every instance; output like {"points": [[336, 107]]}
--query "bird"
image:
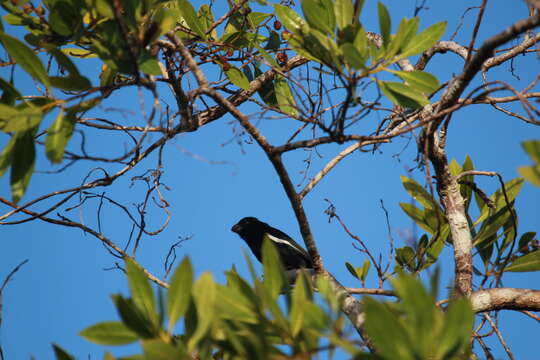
{"points": [[253, 231]]}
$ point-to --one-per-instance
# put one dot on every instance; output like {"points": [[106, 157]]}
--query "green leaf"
{"points": [[61, 354], [247, 71], [266, 91], [509, 233], [9, 93], [352, 270], [485, 249], [256, 18], [465, 189], [58, 136], [328, 292], [22, 164], [236, 305], [179, 294], [457, 330], [7, 155], [532, 147], [386, 331], [435, 249], [206, 17], [273, 42], [525, 239], [25, 57], [402, 94], [319, 47], [21, 118], [237, 77], [320, 15], [455, 168], [419, 80], [157, 349], [418, 193], [513, 187], [424, 40], [410, 29], [298, 306], [64, 61], [405, 257], [344, 13], [191, 18], [204, 295], [315, 319], [353, 56], [266, 55], [251, 268], [531, 174], [70, 83], [133, 357], [365, 270], [528, 262], [358, 6], [418, 215], [361, 43], [150, 66], [284, 96], [64, 17], [236, 282], [109, 333], [164, 21], [79, 53], [133, 317], [384, 23], [141, 291], [289, 18], [406, 30], [274, 276], [416, 300]]}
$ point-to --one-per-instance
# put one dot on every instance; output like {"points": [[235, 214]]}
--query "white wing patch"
{"points": [[283, 241]]}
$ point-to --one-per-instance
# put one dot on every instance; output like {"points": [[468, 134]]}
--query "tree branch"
{"points": [[332, 163], [447, 184], [351, 306], [460, 82], [505, 299]]}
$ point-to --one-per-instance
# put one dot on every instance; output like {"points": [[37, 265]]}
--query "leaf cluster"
{"points": [[236, 320], [414, 328], [493, 229], [333, 35], [267, 319], [125, 35]]}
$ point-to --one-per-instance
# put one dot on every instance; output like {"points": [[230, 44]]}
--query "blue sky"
{"points": [[213, 182]]}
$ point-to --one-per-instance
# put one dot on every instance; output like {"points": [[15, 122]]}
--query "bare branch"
{"points": [[6, 280], [499, 336], [475, 172], [505, 299], [332, 163]]}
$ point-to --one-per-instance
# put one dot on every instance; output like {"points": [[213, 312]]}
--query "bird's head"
{"points": [[245, 225]]}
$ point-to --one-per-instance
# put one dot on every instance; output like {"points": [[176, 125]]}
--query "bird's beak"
{"points": [[236, 228]]}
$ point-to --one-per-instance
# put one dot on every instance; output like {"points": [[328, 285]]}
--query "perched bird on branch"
{"points": [[253, 232]]}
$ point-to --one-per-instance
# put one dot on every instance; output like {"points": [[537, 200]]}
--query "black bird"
{"points": [[292, 255]]}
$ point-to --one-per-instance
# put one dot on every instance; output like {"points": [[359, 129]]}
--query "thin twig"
{"points": [[499, 335], [332, 163], [475, 172], [4, 284]]}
